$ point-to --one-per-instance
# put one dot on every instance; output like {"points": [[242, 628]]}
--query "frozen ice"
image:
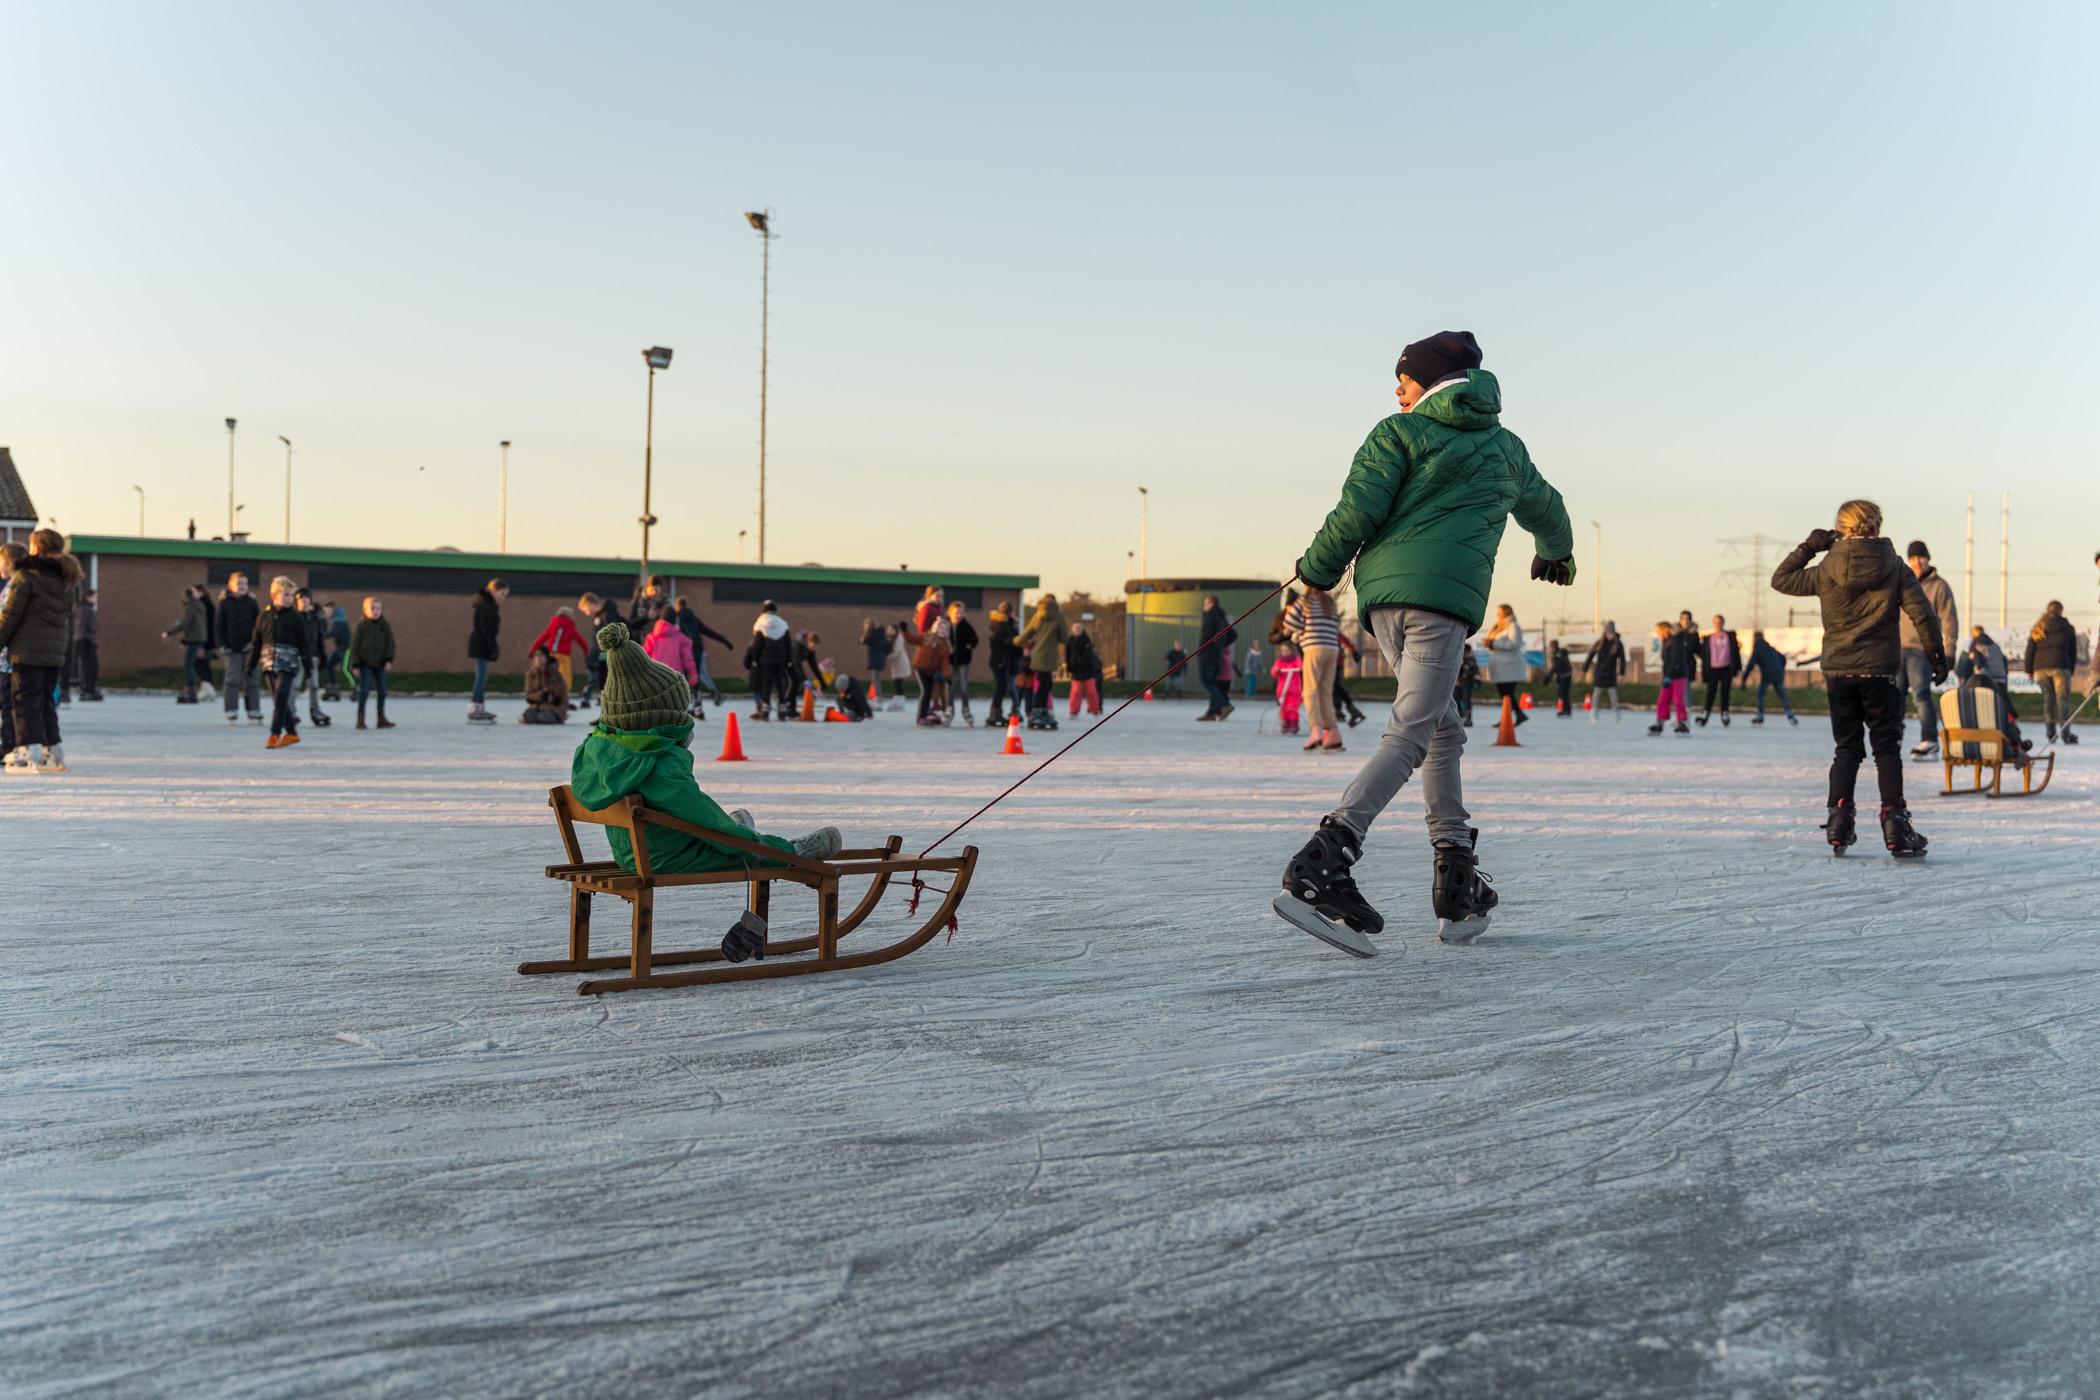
{"points": [[1707, 1112]]}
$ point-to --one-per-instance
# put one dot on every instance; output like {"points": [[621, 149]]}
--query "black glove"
{"points": [[1939, 667], [1819, 540], [1560, 571]]}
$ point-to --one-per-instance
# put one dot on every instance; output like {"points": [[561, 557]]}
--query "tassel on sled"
{"points": [[768, 957]]}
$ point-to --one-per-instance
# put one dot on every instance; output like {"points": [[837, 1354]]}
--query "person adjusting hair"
{"points": [[1421, 517]]}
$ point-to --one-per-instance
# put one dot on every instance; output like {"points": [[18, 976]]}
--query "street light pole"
{"points": [[229, 481], [762, 223], [142, 510], [503, 502], [287, 486], [1144, 533], [658, 357]]}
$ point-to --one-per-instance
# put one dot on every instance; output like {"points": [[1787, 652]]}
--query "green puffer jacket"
{"points": [[37, 618], [612, 763], [1423, 509], [1043, 641]]}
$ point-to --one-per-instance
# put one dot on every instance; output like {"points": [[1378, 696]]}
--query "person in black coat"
{"points": [[1083, 668], [238, 612], [698, 633], [1721, 657], [1218, 636], [2052, 659], [962, 646], [1562, 672], [482, 646], [1004, 651], [1680, 662], [1769, 667], [1607, 660]]}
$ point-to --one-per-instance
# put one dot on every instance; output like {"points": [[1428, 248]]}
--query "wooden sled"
{"points": [[589, 879], [1972, 736]]}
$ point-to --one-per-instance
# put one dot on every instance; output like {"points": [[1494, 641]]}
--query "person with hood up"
{"points": [[2052, 658], [482, 645], [1939, 596], [1862, 586], [35, 621], [1005, 654], [1769, 667], [1421, 517], [773, 655], [1040, 643], [641, 745], [668, 645], [1607, 661]]}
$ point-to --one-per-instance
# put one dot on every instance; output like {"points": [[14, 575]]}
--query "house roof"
{"points": [[15, 505]]}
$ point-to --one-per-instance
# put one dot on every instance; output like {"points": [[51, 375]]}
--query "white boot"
{"points": [[18, 761], [53, 760]]}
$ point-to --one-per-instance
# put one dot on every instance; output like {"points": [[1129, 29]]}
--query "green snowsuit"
{"points": [[612, 763], [1423, 509]]}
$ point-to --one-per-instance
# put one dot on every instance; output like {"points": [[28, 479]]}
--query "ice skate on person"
{"points": [[1462, 895], [18, 761], [1683, 728], [480, 714], [1839, 826], [1320, 896], [1899, 835], [1655, 729], [1929, 748], [52, 759]]}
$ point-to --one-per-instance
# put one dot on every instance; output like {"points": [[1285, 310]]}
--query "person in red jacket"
{"points": [[559, 637]]}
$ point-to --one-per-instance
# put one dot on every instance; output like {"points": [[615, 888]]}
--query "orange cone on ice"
{"points": [[732, 742], [1013, 737], [1524, 699], [874, 693], [1506, 736], [809, 703], [834, 715]]}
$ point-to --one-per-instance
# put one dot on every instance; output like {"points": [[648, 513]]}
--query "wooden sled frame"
{"points": [[1990, 745], [589, 879]]}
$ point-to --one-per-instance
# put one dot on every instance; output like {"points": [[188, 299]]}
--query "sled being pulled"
{"points": [[1972, 735], [772, 957]]}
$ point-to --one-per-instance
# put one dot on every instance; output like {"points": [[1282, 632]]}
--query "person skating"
{"points": [[1421, 515], [1862, 586], [1468, 677], [336, 629], [371, 655], [898, 665], [484, 646], [642, 745], [238, 612], [314, 662], [700, 634], [773, 662], [1939, 596], [1345, 706], [651, 601], [193, 630], [283, 638], [1040, 644], [1082, 671], [1004, 652], [2052, 659], [1314, 625], [962, 650], [87, 645], [1607, 660], [1289, 674], [597, 611], [1507, 667], [1769, 667], [11, 555], [1216, 638], [667, 645], [563, 640], [932, 645], [1562, 673], [1721, 655], [35, 619], [1680, 662]]}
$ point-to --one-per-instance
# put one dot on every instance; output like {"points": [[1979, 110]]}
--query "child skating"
{"points": [[1863, 588], [1421, 515], [1289, 674]]}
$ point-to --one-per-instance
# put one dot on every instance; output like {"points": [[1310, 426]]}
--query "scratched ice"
{"points": [[1707, 1113]]}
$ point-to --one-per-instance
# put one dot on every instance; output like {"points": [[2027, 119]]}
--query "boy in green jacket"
{"points": [[1422, 516], [642, 743]]}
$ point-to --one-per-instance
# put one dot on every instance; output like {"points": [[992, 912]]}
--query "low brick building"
{"points": [[429, 595]]}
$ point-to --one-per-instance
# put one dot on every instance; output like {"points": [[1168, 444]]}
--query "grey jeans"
{"points": [[1425, 650], [241, 677], [1917, 681]]}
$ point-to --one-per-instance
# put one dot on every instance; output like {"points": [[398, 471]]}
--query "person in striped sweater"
{"points": [[1315, 625]]}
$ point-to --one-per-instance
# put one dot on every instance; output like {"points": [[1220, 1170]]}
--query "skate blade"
{"points": [[1463, 931], [1296, 911]]}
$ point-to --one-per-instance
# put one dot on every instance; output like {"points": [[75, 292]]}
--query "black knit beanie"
{"points": [[1439, 357]]}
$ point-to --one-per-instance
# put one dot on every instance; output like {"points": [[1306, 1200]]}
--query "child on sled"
{"points": [[642, 743]]}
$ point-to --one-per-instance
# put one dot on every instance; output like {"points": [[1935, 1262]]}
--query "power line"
{"points": [[1753, 578]]}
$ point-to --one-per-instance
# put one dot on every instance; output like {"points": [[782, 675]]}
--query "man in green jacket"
{"points": [[1421, 516]]}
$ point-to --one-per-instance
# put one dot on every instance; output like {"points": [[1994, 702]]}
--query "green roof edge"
{"points": [[495, 564]]}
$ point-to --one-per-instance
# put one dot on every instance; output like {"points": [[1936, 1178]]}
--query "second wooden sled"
{"points": [[1972, 735], [782, 957]]}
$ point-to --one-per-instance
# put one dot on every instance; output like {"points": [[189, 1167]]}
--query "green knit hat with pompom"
{"points": [[640, 692]]}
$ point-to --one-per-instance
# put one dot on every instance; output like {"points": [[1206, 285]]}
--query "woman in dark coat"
{"points": [[34, 626], [1607, 660], [482, 646]]}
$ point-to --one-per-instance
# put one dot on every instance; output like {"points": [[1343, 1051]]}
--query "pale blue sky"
{"points": [[1733, 262]]}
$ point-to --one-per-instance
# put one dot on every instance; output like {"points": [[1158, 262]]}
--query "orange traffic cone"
{"points": [[1586, 701], [732, 742], [874, 693], [834, 715], [1013, 737], [809, 703], [1505, 737], [1524, 699]]}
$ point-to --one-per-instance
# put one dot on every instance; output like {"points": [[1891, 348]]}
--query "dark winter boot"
{"points": [[1838, 826], [1319, 893], [1462, 895], [1899, 835], [384, 722], [360, 717], [2070, 735]]}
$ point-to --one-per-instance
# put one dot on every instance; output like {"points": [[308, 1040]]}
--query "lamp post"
{"points": [[142, 510], [658, 357], [761, 222], [1144, 533], [503, 502], [287, 486], [1597, 621], [229, 480]]}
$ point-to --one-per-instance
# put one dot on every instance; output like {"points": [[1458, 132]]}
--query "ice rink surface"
{"points": [[1706, 1113]]}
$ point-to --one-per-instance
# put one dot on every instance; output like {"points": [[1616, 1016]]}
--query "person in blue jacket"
{"points": [[1769, 667]]}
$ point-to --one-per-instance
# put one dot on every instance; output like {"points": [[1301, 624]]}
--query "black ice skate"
{"points": [[1655, 728], [1899, 835], [1462, 895], [1683, 728], [1838, 826], [1318, 891]]}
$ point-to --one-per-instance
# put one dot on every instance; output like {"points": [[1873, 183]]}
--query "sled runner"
{"points": [[1972, 735], [774, 957]]}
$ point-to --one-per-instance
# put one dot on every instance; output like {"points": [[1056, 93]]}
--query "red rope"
{"points": [[1140, 694]]}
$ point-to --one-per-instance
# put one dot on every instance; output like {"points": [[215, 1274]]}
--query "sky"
{"points": [[1733, 263]]}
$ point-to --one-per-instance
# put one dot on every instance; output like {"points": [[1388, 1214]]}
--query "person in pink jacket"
{"points": [[1289, 672], [668, 645]]}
